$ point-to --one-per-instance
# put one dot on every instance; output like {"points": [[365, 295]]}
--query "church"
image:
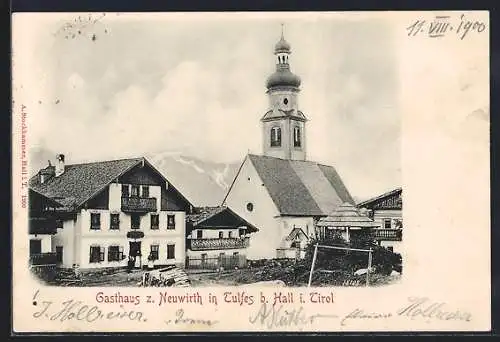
{"points": [[281, 192]]}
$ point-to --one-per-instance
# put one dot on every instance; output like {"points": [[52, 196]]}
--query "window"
{"points": [[285, 101], [35, 247], [250, 206], [114, 221], [230, 235], [295, 244], [135, 221], [95, 221], [241, 231], [59, 254], [199, 234], [296, 137], [221, 235], [170, 221], [145, 191], [96, 254], [275, 137], [387, 223], [135, 191], [155, 249], [221, 255], [391, 249], [115, 253], [170, 251], [125, 190], [155, 221], [236, 253]]}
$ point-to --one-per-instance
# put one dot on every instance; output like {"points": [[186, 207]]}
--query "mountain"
{"points": [[204, 183]]}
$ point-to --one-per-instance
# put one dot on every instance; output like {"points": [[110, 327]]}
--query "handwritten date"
{"points": [[442, 25]]}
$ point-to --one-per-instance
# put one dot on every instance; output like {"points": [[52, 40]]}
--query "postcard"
{"points": [[251, 172]]}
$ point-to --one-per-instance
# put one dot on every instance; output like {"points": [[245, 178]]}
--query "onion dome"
{"points": [[282, 46], [283, 78]]}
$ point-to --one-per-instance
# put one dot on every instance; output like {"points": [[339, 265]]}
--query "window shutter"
{"points": [[90, 254]]}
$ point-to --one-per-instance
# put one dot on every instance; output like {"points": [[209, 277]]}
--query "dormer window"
{"points": [[296, 137], [275, 137]]}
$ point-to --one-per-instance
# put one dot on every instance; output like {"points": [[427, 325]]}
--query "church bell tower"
{"points": [[283, 125]]}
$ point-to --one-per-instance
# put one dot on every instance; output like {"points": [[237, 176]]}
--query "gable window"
{"points": [[170, 221], [95, 221], [115, 253], [135, 221], [114, 223], [275, 137], [154, 252], [199, 234], [155, 221], [221, 235], [145, 191], [387, 224], [296, 136], [250, 206], [170, 251], [135, 191], [96, 254], [125, 190]]}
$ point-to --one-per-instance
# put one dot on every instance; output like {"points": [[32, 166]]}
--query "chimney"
{"points": [[59, 164]]}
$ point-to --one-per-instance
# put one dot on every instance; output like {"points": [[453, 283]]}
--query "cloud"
{"points": [[164, 86]]}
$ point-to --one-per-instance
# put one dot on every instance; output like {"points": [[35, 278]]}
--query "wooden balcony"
{"points": [[43, 259], [138, 205], [389, 234], [42, 225], [216, 244]]}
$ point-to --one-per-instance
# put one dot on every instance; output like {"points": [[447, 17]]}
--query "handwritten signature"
{"points": [[277, 317], [72, 309], [180, 319], [442, 25]]}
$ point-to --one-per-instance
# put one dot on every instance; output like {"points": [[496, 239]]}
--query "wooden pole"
{"points": [[369, 267], [312, 265]]}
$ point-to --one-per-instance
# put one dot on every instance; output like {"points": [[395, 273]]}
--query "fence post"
{"points": [[312, 265], [369, 267]]}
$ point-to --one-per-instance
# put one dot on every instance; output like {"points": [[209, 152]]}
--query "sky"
{"points": [[117, 86]]}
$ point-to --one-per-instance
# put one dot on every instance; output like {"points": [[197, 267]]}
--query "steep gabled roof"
{"points": [[81, 182], [301, 188], [206, 216], [389, 200]]}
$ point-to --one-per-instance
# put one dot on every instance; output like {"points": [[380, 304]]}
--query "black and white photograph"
{"points": [[207, 156], [301, 164]]}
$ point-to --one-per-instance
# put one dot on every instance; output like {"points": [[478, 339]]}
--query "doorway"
{"points": [[135, 252]]}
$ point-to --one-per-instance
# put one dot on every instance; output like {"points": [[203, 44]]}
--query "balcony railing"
{"points": [[211, 244], [42, 225], [138, 204], [43, 259], [389, 234]]}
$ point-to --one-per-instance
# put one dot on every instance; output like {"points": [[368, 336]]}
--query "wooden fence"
{"points": [[224, 261]]}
